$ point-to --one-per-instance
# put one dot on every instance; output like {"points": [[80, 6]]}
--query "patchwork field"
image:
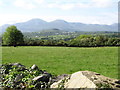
{"points": [[61, 60]]}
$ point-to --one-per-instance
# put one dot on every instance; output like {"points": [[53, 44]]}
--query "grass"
{"points": [[61, 60]]}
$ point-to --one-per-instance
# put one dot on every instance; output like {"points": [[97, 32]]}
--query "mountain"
{"points": [[37, 25], [3, 28], [32, 25], [61, 24]]}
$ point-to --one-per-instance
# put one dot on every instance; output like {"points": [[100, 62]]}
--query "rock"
{"points": [[97, 74], [77, 80], [60, 77], [41, 71], [22, 69], [118, 86], [18, 77], [38, 85], [16, 64], [21, 72], [43, 78], [81, 79], [86, 79], [34, 67], [118, 82], [37, 78]]}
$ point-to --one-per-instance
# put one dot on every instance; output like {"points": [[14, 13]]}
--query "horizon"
{"points": [[51, 21], [84, 11]]}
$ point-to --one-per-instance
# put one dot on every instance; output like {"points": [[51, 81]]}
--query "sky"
{"points": [[84, 11]]}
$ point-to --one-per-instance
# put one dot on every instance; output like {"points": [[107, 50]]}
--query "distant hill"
{"points": [[37, 25]]}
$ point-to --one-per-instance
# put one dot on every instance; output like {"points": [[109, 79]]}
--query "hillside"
{"points": [[36, 25]]}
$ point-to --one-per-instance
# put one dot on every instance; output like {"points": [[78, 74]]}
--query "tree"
{"points": [[12, 37]]}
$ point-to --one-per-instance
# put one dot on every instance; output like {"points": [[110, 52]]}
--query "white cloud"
{"points": [[24, 4], [39, 1], [92, 4], [101, 3], [104, 18], [28, 4], [67, 6], [1, 2], [52, 5], [13, 18], [96, 4], [62, 6], [82, 5]]}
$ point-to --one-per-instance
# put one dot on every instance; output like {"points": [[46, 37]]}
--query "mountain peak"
{"points": [[36, 20], [59, 21], [37, 24]]}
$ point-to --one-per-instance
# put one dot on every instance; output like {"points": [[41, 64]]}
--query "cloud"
{"points": [[1, 2], [67, 6], [82, 5], [28, 4], [39, 1], [103, 18], [13, 18], [62, 6], [97, 18], [102, 3], [95, 4], [92, 4], [24, 4]]}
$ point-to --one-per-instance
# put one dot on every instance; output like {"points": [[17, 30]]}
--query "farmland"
{"points": [[65, 60]]}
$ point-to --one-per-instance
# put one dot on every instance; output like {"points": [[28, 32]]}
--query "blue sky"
{"points": [[84, 11]]}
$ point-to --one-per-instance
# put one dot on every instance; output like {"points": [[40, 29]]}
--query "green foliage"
{"points": [[12, 36], [103, 85], [10, 77], [80, 41], [93, 41], [61, 85]]}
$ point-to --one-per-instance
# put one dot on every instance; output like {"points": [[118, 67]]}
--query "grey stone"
{"points": [[59, 77], [17, 64], [118, 82], [37, 78], [18, 77], [38, 85], [118, 86], [34, 67], [43, 78]]}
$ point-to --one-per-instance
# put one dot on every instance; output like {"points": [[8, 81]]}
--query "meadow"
{"points": [[65, 60]]}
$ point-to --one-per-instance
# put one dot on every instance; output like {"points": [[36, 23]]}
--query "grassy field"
{"points": [[61, 60]]}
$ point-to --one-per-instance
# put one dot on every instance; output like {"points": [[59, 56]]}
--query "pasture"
{"points": [[65, 60]]}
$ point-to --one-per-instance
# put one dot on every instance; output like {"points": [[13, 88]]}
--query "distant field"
{"points": [[61, 60]]}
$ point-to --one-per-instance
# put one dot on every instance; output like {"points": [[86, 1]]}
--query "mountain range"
{"points": [[37, 25]]}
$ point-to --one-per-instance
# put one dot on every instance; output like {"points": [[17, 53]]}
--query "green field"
{"points": [[61, 60]]}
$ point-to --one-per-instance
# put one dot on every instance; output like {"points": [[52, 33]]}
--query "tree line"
{"points": [[14, 37]]}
